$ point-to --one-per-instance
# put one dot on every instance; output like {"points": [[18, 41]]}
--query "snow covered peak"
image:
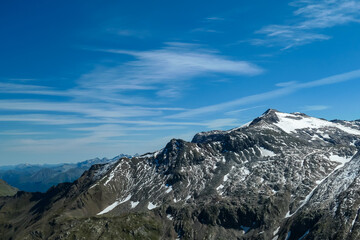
{"points": [[292, 122]]}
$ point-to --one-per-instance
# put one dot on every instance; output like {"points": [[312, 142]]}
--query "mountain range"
{"points": [[39, 178], [282, 176]]}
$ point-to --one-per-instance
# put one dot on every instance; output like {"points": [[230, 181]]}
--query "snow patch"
{"points": [[226, 177], [169, 189], [353, 221], [266, 152], [339, 159], [290, 122], [114, 205], [109, 208], [336, 158], [276, 231], [134, 204], [151, 206]]}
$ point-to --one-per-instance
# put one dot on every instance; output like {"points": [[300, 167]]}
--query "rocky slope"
{"points": [[283, 176], [6, 189]]}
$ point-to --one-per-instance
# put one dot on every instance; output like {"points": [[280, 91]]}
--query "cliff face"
{"points": [[283, 176]]}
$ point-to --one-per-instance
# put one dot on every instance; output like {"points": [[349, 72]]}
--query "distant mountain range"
{"points": [[281, 177], [39, 178]]}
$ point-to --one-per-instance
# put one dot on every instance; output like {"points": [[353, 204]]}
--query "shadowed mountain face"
{"points": [[283, 176], [39, 178]]}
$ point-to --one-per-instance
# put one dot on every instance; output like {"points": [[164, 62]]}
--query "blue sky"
{"points": [[81, 79]]}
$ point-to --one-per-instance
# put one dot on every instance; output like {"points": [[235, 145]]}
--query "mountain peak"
{"points": [[270, 111], [268, 116]]}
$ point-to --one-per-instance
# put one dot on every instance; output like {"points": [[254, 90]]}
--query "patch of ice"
{"points": [[275, 238], [226, 177], [169, 217]]}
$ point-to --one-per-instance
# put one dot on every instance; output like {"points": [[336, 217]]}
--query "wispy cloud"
{"points": [[237, 111], [161, 68], [214, 19], [223, 122], [310, 16], [87, 109], [269, 95], [314, 108], [22, 133], [165, 72], [207, 30]]}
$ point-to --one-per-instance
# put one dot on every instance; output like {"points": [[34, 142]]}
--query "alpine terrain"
{"points": [[282, 176], [39, 178], [6, 189]]}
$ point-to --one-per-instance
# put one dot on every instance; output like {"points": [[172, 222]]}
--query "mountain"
{"points": [[39, 178], [282, 176], [6, 189]]}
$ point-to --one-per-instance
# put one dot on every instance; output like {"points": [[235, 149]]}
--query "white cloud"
{"points": [[314, 108], [311, 15], [223, 122], [166, 69], [214, 19], [287, 36], [285, 84], [269, 95], [21, 133], [234, 112], [88, 109]]}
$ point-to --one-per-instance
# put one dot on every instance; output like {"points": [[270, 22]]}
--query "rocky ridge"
{"points": [[282, 176]]}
